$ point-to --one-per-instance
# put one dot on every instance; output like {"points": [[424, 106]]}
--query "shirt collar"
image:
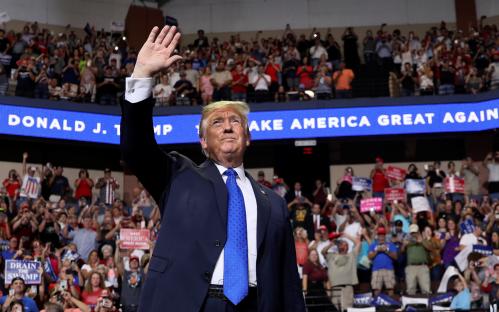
{"points": [[239, 170]]}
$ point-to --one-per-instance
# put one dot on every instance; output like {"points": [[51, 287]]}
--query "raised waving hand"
{"points": [[157, 52]]}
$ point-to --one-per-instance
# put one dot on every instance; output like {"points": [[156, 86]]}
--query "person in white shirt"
{"points": [[30, 187], [261, 84], [317, 51], [162, 91], [321, 241], [493, 71], [491, 162]]}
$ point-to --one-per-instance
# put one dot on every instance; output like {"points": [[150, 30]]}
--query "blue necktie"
{"points": [[236, 247]]}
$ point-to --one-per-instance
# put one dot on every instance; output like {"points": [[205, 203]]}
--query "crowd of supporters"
{"points": [[93, 68], [441, 238], [75, 237]]}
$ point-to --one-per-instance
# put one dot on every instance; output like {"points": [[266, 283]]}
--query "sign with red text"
{"points": [[395, 173], [134, 239], [454, 185], [371, 204], [395, 193]]}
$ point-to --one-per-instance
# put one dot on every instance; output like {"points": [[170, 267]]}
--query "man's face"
{"points": [[87, 222], [316, 209], [297, 186], [225, 135], [324, 235], [381, 238], [13, 243], [134, 264], [342, 247], [18, 287]]}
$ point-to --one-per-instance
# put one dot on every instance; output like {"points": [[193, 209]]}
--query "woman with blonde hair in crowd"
{"points": [[205, 86], [91, 264], [301, 245]]}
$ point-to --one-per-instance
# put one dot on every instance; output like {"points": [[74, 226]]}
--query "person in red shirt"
{"points": [[380, 181], [12, 185], [315, 281], [262, 181], [83, 186], [239, 84], [304, 73], [274, 71], [301, 246], [93, 289]]}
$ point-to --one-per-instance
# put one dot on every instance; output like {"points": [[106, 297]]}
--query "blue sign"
{"points": [[49, 270], [467, 226], [361, 184], [415, 186], [268, 125], [27, 270]]}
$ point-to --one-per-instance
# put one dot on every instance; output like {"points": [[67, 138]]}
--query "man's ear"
{"points": [[204, 145]]}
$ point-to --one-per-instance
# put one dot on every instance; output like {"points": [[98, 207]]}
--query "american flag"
{"points": [[30, 186], [109, 193]]}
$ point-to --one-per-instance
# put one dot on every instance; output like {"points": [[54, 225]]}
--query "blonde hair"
{"points": [[241, 108]]}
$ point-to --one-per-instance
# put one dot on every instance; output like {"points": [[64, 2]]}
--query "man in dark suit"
{"points": [[297, 194], [225, 242], [318, 220]]}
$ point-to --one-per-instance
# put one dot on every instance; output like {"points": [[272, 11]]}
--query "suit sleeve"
{"points": [[140, 152], [293, 295]]}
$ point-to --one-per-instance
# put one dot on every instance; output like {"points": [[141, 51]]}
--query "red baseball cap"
{"points": [[381, 231], [379, 159], [323, 228], [334, 235], [135, 258]]}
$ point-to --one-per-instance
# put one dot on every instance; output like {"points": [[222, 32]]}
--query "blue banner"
{"points": [[268, 125], [385, 300], [363, 299], [441, 298], [483, 250], [27, 270]]}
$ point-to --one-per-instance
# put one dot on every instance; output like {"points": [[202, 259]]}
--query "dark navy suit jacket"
{"points": [[193, 204]]}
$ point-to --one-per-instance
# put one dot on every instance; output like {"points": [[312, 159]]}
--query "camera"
{"points": [[106, 303]]}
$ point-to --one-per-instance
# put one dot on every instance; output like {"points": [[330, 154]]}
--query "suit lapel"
{"points": [[210, 171], [263, 210]]}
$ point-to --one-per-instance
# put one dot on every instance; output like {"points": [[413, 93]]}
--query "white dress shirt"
{"points": [[139, 89], [317, 221]]}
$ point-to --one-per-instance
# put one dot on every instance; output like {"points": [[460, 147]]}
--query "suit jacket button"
{"points": [[217, 243], [207, 276]]}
